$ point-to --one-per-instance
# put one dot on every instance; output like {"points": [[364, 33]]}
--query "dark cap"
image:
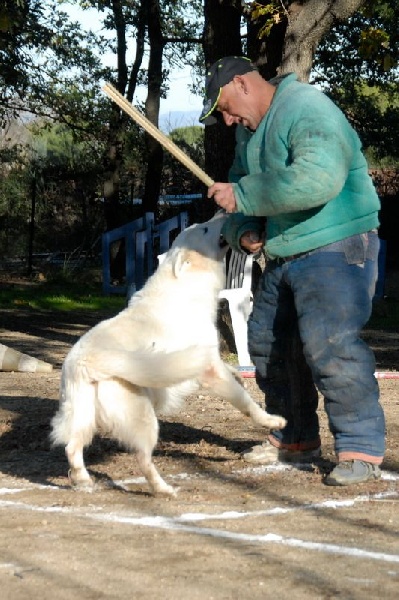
{"points": [[219, 74]]}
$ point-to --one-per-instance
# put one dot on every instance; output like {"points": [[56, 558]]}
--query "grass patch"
{"points": [[76, 295], [60, 297]]}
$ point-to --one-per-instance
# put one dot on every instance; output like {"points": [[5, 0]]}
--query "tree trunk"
{"points": [[125, 84], [292, 41], [154, 148], [114, 149], [112, 173], [265, 51], [221, 38], [114, 152], [307, 23]]}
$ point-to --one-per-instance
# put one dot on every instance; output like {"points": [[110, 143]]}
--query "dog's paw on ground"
{"points": [[166, 491]]}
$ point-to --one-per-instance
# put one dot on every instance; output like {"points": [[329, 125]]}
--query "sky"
{"points": [[179, 100]]}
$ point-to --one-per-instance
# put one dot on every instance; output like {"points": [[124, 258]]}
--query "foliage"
{"points": [[58, 178], [177, 179], [269, 13], [51, 66], [68, 296], [14, 213], [192, 137], [356, 64], [20, 31], [365, 46], [60, 149]]}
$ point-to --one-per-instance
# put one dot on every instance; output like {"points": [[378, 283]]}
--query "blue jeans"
{"points": [[304, 336]]}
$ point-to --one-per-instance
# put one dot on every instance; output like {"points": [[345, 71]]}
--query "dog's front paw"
{"points": [[261, 417], [276, 422]]}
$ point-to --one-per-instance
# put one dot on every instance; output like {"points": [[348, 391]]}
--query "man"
{"points": [[299, 168]]}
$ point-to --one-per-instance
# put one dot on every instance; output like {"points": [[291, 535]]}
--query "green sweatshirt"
{"points": [[303, 168]]}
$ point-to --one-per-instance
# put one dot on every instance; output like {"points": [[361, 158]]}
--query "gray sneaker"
{"points": [[266, 453], [349, 472]]}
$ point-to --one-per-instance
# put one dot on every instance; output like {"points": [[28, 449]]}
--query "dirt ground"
{"points": [[234, 532]]}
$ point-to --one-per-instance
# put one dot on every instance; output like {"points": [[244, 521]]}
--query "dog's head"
{"points": [[199, 251], [205, 238]]}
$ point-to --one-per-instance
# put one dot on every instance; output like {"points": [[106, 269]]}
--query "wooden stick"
{"points": [[156, 133]]}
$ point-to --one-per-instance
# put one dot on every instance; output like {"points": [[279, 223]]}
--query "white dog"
{"points": [[149, 357]]}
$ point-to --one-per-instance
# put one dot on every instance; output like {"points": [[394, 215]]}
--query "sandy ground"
{"points": [[233, 531]]}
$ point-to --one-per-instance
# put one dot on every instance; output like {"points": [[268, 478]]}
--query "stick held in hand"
{"points": [[167, 143]]}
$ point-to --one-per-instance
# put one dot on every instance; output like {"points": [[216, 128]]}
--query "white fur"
{"points": [[149, 357]]}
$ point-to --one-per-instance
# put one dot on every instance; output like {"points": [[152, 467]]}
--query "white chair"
{"points": [[238, 293]]}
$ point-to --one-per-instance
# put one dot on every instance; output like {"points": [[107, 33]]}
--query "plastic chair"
{"points": [[238, 293]]}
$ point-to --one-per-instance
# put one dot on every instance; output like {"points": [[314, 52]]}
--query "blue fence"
{"points": [[173, 199], [143, 241]]}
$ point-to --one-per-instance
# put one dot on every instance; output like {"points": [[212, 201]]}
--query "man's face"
{"points": [[236, 104]]}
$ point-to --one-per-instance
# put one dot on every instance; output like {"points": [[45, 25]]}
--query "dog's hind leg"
{"points": [[78, 474], [82, 430], [75, 424], [145, 439], [222, 382], [129, 416]]}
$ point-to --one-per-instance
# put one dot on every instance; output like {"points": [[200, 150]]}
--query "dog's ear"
{"points": [[181, 262]]}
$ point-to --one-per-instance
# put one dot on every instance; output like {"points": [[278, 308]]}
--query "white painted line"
{"points": [[278, 510], [28, 487], [176, 524]]}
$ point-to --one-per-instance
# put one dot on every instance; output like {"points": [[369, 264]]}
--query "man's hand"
{"points": [[251, 241], [223, 195]]}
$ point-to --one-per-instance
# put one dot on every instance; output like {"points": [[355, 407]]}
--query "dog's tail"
{"points": [[150, 369]]}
